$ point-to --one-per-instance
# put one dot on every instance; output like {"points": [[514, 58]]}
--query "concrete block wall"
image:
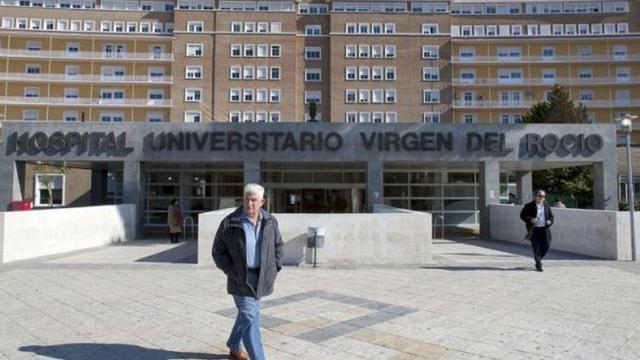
{"points": [[398, 238], [597, 233], [30, 234]]}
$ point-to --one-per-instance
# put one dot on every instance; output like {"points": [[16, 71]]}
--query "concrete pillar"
{"points": [[605, 185], [489, 193], [524, 182], [11, 182], [252, 172], [375, 184], [98, 186], [133, 191]]}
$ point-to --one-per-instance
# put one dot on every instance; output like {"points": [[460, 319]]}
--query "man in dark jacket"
{"points": [[248, 249], [538, 219]]}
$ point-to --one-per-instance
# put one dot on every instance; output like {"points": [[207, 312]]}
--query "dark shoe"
{"points": [[239, 355], [539, 267]]}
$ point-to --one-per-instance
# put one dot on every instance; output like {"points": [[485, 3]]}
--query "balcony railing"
{"points": [[86, 55], [547, 82], [86, 78], [543, 59], [475, 104], [25, 100]]}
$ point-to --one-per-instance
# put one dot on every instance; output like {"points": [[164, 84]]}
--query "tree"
{"points": [[313, 110], [576, 181], [557, 109]]}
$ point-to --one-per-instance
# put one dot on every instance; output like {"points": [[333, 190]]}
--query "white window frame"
{"points": [[193, 95], [189, 116], [37, 201]]}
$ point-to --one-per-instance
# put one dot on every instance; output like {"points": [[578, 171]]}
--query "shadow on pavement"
{"points": [[477, 268], [84, 351], [517, 249], [185, 253]]}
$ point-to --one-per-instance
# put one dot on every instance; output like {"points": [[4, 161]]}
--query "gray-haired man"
{"points": [[248, 248]]}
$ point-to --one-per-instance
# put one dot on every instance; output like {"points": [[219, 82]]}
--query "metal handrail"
{"points": [[190, 220], [441, 217]]}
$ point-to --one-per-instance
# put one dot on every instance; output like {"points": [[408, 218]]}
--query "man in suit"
{"points": [[538, 219], [248, 248]]}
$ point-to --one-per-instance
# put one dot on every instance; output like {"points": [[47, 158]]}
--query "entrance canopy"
{"points": [[359, 154]]}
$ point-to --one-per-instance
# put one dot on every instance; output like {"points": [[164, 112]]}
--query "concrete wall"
{"points": [[396, 238], [30, 234], [598, 233]]}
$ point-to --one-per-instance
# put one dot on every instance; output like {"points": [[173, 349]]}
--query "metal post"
{"points": [[315, 248], [630, 197]]}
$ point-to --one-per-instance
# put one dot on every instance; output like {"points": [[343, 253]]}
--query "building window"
{"points": [[248, 95], [430, 52], [363, 96], [620, 52], [350, 96], [274, 95], [248, 72], [350, 73], [192, 116], [390, 28], [70, 115], [262, 73], [351, 117], [193, 72], [584, 51], [234, 116], [312, 53], [249, 50], [364, 117], [363, 51], [363, 73], [350, 51], [193, 95], [32, 92], [469, 118], [49, 190], [585, 73], [274, 116], [195, 26], [313, 30], [194, 50], [623, 74], [429, 28], [30, 115], [235, 72], [431, 96], [391, 117], [389, 51], [236, 50], [275, 50], [549, 76], [315, 96], [431, 117], [430, 74], [262, 50], [390, 96], [155, 117], [247, 116], [312, 75], [390, 73], [234, 95], [111, 117], [236, 27]]}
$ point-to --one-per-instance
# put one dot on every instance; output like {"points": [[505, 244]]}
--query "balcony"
{"points": [[542, 59], [64, 78], [85, 55], [480, 104], [22, 100], [545, 82]]}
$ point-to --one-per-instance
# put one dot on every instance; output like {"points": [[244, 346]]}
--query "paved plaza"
{"points": [[477, 300]]}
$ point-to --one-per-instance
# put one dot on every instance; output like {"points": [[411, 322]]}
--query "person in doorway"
{"points": [[538, 219], [559, 204], [248, 248], [174, 220]]}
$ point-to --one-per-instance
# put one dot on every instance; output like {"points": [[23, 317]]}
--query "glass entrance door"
{"points": [[316, 200]]}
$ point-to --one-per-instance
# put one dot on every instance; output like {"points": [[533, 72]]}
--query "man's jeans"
{"points": [[247, 327]]}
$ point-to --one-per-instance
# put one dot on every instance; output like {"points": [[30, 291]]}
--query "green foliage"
{"points": [[557, 109], [576, 181]]}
